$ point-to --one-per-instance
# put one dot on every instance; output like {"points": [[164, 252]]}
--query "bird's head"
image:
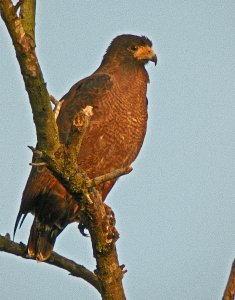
{"points": [[131, 49]]}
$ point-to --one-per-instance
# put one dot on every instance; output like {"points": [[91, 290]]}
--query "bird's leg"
{"points": [[108, 220], [57, 104], [81, 221]]}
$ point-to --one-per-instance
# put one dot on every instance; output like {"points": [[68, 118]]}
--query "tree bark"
{"points": [[24, 44], [61, 160], [229, 292], [74, 269]]}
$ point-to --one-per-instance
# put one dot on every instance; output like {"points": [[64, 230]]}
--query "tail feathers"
{"points": [[17, 222], [42, 239]]}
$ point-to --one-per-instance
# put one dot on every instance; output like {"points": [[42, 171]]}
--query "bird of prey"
{"points": [[116, 91]]}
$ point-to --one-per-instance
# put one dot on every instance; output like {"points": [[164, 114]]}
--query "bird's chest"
{"points": [[117, 129]]}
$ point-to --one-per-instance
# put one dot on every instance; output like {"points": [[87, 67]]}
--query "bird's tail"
{"points": [[42, 239]]}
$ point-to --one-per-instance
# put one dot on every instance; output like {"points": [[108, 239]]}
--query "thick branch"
{"points": [[27, 16], [229, 292], [47, 132], [74, 269], [100, 221], [61, 159]]}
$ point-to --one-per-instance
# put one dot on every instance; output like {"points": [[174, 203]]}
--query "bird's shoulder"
{"points": [[88, 90]]}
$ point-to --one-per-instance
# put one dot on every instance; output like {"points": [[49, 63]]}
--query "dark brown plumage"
{"points": [[116, 91]]}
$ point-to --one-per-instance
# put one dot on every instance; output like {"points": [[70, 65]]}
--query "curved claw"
{"points": [[82, 228]]}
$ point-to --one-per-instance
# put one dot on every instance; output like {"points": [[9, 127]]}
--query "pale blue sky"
{"points": [[175, 211]]}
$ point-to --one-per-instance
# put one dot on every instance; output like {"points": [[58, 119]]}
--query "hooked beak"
{"points": [[154, 59], [146, 53]]}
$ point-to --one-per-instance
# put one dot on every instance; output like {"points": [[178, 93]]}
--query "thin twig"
{"points": [[39, 164], [54, 100], [109, 176], [57, 104], [35, 151]]}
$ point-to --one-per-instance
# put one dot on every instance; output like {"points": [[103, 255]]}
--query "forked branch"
{"points": [[61, 159]]}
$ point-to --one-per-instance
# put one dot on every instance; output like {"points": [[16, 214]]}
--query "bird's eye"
{"points": [[133, 48]]}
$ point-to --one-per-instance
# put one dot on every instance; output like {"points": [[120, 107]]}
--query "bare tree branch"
{"points": [[23, 41], [74, 269], [97, 217], [27, 16], [57, 104], [109, 176], [229, 292]]}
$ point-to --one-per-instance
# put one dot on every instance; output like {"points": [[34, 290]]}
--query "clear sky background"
{"points": [[176, 211]]}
